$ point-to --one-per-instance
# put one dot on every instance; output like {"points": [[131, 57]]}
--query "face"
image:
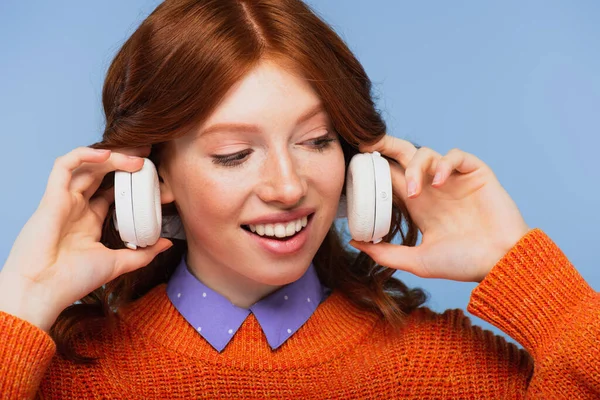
{"points": [[267, 160]]}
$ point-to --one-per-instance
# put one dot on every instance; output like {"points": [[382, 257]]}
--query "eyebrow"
{"points": [[238, 127]]}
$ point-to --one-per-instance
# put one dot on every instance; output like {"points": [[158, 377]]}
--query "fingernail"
{"points": [[437, 178], [134, 157], [412, 188], [102, 151]]}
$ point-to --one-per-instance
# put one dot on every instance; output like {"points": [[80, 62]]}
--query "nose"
{"points": [[282, 181]]}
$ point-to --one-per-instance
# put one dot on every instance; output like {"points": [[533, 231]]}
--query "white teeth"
{"points": [[269, 231], [290, 229], [280, 230]]}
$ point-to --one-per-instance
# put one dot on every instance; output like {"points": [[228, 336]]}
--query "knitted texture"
{"points": [[533, 294]]}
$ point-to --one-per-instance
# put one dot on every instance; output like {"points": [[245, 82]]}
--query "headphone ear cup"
{"points": [[123, 215], [138, 212], [369, 197], [147, 212], [360, 187], [383, 197]]}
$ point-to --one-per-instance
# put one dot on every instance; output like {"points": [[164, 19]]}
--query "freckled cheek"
{"points": [[330, 175], [214, 202], [327, 178]]}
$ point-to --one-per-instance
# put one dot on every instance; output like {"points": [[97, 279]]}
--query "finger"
{"points": [[100, 203], [418, 170], [135, 154], [398, 180], [140, 151], [60, 176], [404, 258], [398, 149], [458, 160], [128, 260], [88, 178]]}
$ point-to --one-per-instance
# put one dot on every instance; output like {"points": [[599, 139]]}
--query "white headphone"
{"points": [[368, 203]]}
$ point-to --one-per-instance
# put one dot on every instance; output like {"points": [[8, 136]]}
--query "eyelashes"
{"points": [[231, 160], [319, 144], [323, 142]]}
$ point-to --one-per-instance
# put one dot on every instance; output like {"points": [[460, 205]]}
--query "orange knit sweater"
{"points": [[533, 294]]}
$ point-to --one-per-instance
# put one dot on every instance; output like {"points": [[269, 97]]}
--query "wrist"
{"points": [[502, 249], [21, 300]]}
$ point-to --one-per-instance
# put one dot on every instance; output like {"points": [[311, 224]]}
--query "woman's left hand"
{"points": [[467, 220]]}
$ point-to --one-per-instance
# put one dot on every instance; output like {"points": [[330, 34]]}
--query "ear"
{"points": [[166, 193]]}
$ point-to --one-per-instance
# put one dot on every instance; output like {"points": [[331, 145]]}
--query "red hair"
{"points": [[171, 74]]}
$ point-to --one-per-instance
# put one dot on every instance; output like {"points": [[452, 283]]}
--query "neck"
{"points": [[239, 289]]}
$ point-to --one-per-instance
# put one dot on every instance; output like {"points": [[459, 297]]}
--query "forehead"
{"points": [[269, 92]]}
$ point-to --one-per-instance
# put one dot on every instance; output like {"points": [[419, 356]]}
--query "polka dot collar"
{"points": [[216, 319]]}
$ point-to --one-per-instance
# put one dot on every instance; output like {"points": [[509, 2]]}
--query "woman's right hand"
{"points": [[57, 257]]}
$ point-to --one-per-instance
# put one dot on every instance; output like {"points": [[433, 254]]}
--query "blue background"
{"points": [[516, 83]]}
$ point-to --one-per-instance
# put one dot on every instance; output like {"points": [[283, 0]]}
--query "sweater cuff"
{"points": [[531, 292], [25, 354]]}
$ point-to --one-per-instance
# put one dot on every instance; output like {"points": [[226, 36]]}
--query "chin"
{"points": [[280, 273]]}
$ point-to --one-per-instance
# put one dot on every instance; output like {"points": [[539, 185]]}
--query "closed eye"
{"points": [[231, 160], [322, 142], [235, 159]]}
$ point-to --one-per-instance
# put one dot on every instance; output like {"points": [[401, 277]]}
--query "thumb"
{"points": [[128, 260], [404, 258]]}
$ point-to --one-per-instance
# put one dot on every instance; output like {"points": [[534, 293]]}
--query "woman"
{"points": [[251, 111]]}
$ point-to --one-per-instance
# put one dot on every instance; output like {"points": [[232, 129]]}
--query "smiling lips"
{"points": [[282, 245], [279, 230]]}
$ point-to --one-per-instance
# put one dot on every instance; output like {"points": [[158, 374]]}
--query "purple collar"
{"points": [[280, 314]]}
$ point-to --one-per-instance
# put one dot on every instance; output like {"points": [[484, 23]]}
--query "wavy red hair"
{"points": [[168, 77]]}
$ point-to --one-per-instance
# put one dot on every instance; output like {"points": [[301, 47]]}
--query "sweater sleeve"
{"points": [[537, 297], [25, 354]]}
